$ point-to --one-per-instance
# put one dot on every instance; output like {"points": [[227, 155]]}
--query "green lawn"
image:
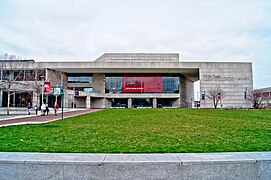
{"points": [[146, 130]]}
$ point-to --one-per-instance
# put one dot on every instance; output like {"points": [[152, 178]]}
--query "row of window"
{"points": [[22, 75], [132, 83], [80, 78]]}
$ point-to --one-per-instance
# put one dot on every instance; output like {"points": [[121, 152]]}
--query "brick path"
{"points": [[43, 119]]}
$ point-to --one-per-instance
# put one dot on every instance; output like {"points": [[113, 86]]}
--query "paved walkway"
{"points": [[43, 119]]}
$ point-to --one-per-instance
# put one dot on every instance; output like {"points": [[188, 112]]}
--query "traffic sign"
{"points": [[57, 90]]}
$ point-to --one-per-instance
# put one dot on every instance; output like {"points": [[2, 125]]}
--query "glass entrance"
{"points": [[120, 102], [141, 102]]}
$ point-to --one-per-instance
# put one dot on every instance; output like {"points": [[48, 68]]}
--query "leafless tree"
{"points": [[257, 96], [215, 95], [7, 56], [15, 77]]}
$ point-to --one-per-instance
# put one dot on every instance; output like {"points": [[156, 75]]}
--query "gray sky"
{"points": [[85, 29]]}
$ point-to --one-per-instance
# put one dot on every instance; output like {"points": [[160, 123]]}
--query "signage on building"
{"points": [[47, 87]]}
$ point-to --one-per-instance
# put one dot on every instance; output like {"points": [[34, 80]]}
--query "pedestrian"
{"points": [[29, 108], [36, 109], [47, 108], [56, 108], [43, 109]]}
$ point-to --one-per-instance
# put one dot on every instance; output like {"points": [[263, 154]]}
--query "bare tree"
{"points": [[13, 75], [257, 96], [215, 95], [7, 56]]}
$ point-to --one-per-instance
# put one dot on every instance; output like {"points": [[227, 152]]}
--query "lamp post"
{"points": [[42, 89], [62, 96]]}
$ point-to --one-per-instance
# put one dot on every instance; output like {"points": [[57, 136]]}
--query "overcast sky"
{"points": [[85, 29]]}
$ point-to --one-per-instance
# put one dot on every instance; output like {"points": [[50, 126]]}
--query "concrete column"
{"points": [[46, 97], [14, 94], [176, 103], [154, 103], [34, 99], [73, 98], [88, 103], [66, 99], [104, 103], [130, 103], [1, 97]]}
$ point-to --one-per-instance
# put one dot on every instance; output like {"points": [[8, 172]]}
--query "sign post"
{"points": [[58, 90]]}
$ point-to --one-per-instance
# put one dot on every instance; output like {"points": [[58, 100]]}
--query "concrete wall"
{"points": [[186, 92], [97, 102], [1, 97], [243, 166], [231, 77], [80, 102], [98, 83], [54, 77]]}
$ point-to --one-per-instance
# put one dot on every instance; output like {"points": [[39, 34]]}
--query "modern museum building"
{"points": [[124, 80]]}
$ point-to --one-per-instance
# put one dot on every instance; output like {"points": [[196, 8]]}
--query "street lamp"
{"points": [[42, 89]]}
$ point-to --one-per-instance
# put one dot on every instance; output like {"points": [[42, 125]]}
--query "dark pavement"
{"points": [[45, 118]]}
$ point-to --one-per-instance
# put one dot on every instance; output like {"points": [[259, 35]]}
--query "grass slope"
{"points": [[146, 130]]}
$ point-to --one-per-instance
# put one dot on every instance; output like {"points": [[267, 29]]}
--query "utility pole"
{"points": [[42, 90], [62, 95]]}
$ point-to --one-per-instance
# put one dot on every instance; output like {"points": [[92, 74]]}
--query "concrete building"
{"points": [[127, 80]]}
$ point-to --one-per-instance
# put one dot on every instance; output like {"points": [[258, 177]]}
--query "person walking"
{"points": [[36, 109], [47, 108], [29, 108], [43, 109], [56, 108]]}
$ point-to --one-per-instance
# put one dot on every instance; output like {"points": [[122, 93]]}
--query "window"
{"points": [[30, 75], [7, 74], [18, 75], [113, 84], [80, 78], [40, 74]]}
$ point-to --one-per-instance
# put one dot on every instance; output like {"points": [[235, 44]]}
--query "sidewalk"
{"points": [[43, 119]]}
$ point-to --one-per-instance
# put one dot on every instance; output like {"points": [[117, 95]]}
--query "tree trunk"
{"points": [[215, 104]]}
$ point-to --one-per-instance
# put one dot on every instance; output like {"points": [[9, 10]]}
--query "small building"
{"points": [[126, 80], [265, 97]]}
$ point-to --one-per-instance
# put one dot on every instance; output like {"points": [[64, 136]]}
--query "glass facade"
{"points": [[142, 83], [141, 102], [113, 84], [164, 103], [80, 78], [119, 103], [171, 84], [17, 99], [85, 89]]}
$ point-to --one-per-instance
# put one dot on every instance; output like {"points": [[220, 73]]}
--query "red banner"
{"points": [[142, 83], [47, 87]]}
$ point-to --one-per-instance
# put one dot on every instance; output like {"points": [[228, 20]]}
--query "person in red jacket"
{"points": [[56, 108]]}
